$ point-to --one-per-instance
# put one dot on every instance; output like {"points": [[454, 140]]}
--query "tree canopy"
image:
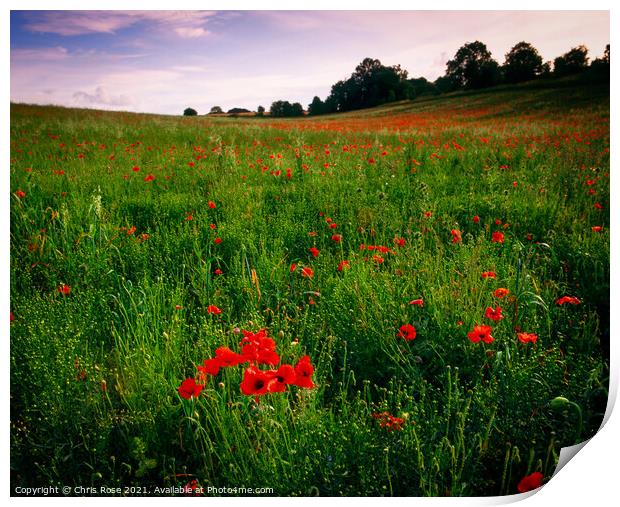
{"points": [[190, 112], [473, 67], [523, 63]]}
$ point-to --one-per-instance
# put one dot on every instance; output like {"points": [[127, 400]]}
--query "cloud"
{"points": [[71, 23], [43, 54], [101, 97]]}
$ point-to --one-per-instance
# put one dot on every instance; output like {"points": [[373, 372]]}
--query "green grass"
{"points": [[94, 373]]}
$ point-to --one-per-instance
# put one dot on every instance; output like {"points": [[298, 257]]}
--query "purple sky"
{"points": [[164, 61]]}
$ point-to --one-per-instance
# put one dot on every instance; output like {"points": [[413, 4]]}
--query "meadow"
{"points": [[411, 300]]}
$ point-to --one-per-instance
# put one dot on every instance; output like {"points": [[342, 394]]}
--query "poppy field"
{"points": [[411, 300]]}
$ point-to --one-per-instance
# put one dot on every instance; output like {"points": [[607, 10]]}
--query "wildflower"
{"points": [[307, 272], [567, 299], [284, 375], [227, 357], [530, 482], [20, 193], [64, 289], [210, 367], [492, 314], [293, 267], [343, 265], [407, 331], [476, 219], [399, 241], [417, 302], [488, 274], [314, 252], [255, 382], [303, 373], [135, 169], [501, 293], [131, 230], [218, 271], [527, 337], [213, 309], [386, 420], [377, 259], [212, 205], [497, 237], [597, 228], [337, 238], [149, 177], [456, 236], [189, 388], [480, 333], [217, 241]]}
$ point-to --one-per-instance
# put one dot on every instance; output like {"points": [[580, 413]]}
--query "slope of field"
{"points": [[410, 300]]}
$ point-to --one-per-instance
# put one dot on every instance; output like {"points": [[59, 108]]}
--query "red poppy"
{"points": [[377, 259], [488, 274], [337, 238], [293, 267], [211, 366], [597, 228], [20, 193], [284, 375], [314, 252], [501, 293], [476, 219], [343, 265], [218, 271], [527, 337], [64, 289], [530, 482], [480, 333], [567, 299], [333, 225], [456, 236], [497, 237], [149, 177], [400, 241], [407, 331], [189, 388], [307, 272], [303, 373], [227, 357], [213, 309], [255, 382], [212, 205], [417, 302], [135, 169], [494, 314], [217, 241]]}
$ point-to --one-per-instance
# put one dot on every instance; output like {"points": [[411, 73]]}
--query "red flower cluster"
{"points": [[386, 420], [256, 349], [530, 482], [527, 337], [567, 299]]}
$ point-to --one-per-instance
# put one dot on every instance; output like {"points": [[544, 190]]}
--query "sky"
{"points": [[165, 61]]}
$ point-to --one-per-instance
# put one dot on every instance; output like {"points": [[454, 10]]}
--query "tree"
{"points": [[600, 66], [237, 110], [523, 63], [216, 110], [317, 106], [190, 112], [473, 67], [260, 111], [296, 109], [573, 62], [421, 86]]}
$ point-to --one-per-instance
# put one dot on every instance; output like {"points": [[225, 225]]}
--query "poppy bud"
{"points": [[559, 403]]}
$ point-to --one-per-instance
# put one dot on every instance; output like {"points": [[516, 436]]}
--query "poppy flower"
{"points": [[284, 375], [476, 219], [567, 299], [212, 205], [303, 373], [530, 482], [255, 382], [135, 169], [20, 193], [494, 314], [417, 302], [501, 293], [293, 267], [377, 259], [227, 357], [64, 289], [217, 241], [333, 225], [497, 237], [213, 309], [480, 333], [218, 271], [456, 236], [149, 177], [307, 272], [189, 388], [343, 265], [407, 331], [527, 337], [488, 274], [597, 228], [314, 251], [211, 366], [337, 238], [400, 241]]}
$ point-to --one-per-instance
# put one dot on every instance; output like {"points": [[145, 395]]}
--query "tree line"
{"points": [[472, 68]]}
